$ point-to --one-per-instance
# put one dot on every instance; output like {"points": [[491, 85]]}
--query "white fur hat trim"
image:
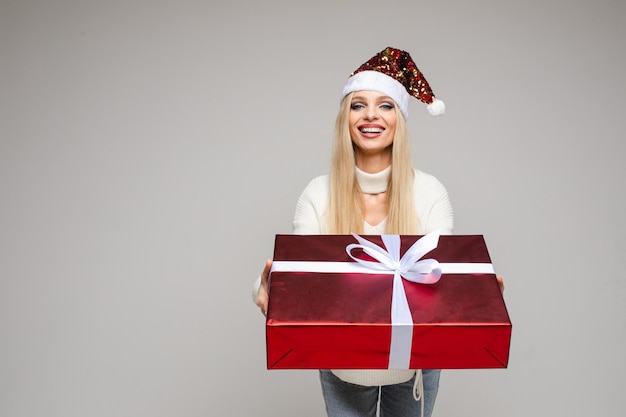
{"points": [[377, 81]]}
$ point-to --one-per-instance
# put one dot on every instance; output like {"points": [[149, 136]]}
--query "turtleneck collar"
{"points": [[375, 183]]}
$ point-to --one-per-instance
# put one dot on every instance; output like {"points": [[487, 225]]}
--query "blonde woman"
{"points": [[373, 189]]}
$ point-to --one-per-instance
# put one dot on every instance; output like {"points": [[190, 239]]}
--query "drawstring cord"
{"points": [[418, 390]]}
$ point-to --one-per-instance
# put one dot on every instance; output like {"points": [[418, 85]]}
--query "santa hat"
{"points": [[394, 73]]}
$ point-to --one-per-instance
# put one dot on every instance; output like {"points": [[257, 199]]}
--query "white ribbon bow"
{"points": [[410, 267]]}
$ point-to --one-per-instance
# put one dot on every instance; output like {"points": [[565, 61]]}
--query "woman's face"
{"points": [[372, 121]]}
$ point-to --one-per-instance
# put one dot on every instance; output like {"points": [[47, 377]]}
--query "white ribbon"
{"points": [[410, 267]]}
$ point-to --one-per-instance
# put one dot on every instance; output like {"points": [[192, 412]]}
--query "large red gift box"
{"points": [[322, 317]]}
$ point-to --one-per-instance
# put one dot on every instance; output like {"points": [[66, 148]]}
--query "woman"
{"points": [[373, 189]]}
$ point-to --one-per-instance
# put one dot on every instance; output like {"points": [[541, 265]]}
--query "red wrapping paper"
{"points": [[343, 320]]}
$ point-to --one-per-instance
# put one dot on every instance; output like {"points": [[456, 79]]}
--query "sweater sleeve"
{"points": [[433, 205], [311, 207], [308, 215]]}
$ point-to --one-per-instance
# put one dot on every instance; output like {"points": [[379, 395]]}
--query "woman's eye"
{"points": [[386, 106], [356, 106]]}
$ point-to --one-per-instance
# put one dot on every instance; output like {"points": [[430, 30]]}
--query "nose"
{"points": [[371, 113]]}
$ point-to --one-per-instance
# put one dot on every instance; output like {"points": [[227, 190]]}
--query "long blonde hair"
{"points": [[345, 210]]}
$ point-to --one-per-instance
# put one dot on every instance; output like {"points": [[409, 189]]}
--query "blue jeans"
{"points": [[344, 399]]}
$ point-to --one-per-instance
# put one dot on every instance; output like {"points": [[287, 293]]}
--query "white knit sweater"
{"points": [[432, 208]]}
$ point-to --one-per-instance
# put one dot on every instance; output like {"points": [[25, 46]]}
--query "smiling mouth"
{"points": [[371, 130]]}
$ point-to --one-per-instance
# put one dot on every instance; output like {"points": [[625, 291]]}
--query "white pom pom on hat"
{"points": [[436, 108]]}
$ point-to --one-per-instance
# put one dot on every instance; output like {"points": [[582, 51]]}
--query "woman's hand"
{"points": [[263, 296], [500, 284]]}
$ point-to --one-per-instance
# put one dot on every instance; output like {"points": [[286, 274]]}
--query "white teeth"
{"points": [[371, 130]]}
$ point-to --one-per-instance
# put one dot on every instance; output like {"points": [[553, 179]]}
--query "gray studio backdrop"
{"points": [[151, 150]]}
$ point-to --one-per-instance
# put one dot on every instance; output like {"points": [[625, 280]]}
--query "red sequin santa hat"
{"points": [[393, 72]]}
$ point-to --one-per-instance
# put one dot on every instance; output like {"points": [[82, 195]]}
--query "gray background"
{"points": [[150, 150]]}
